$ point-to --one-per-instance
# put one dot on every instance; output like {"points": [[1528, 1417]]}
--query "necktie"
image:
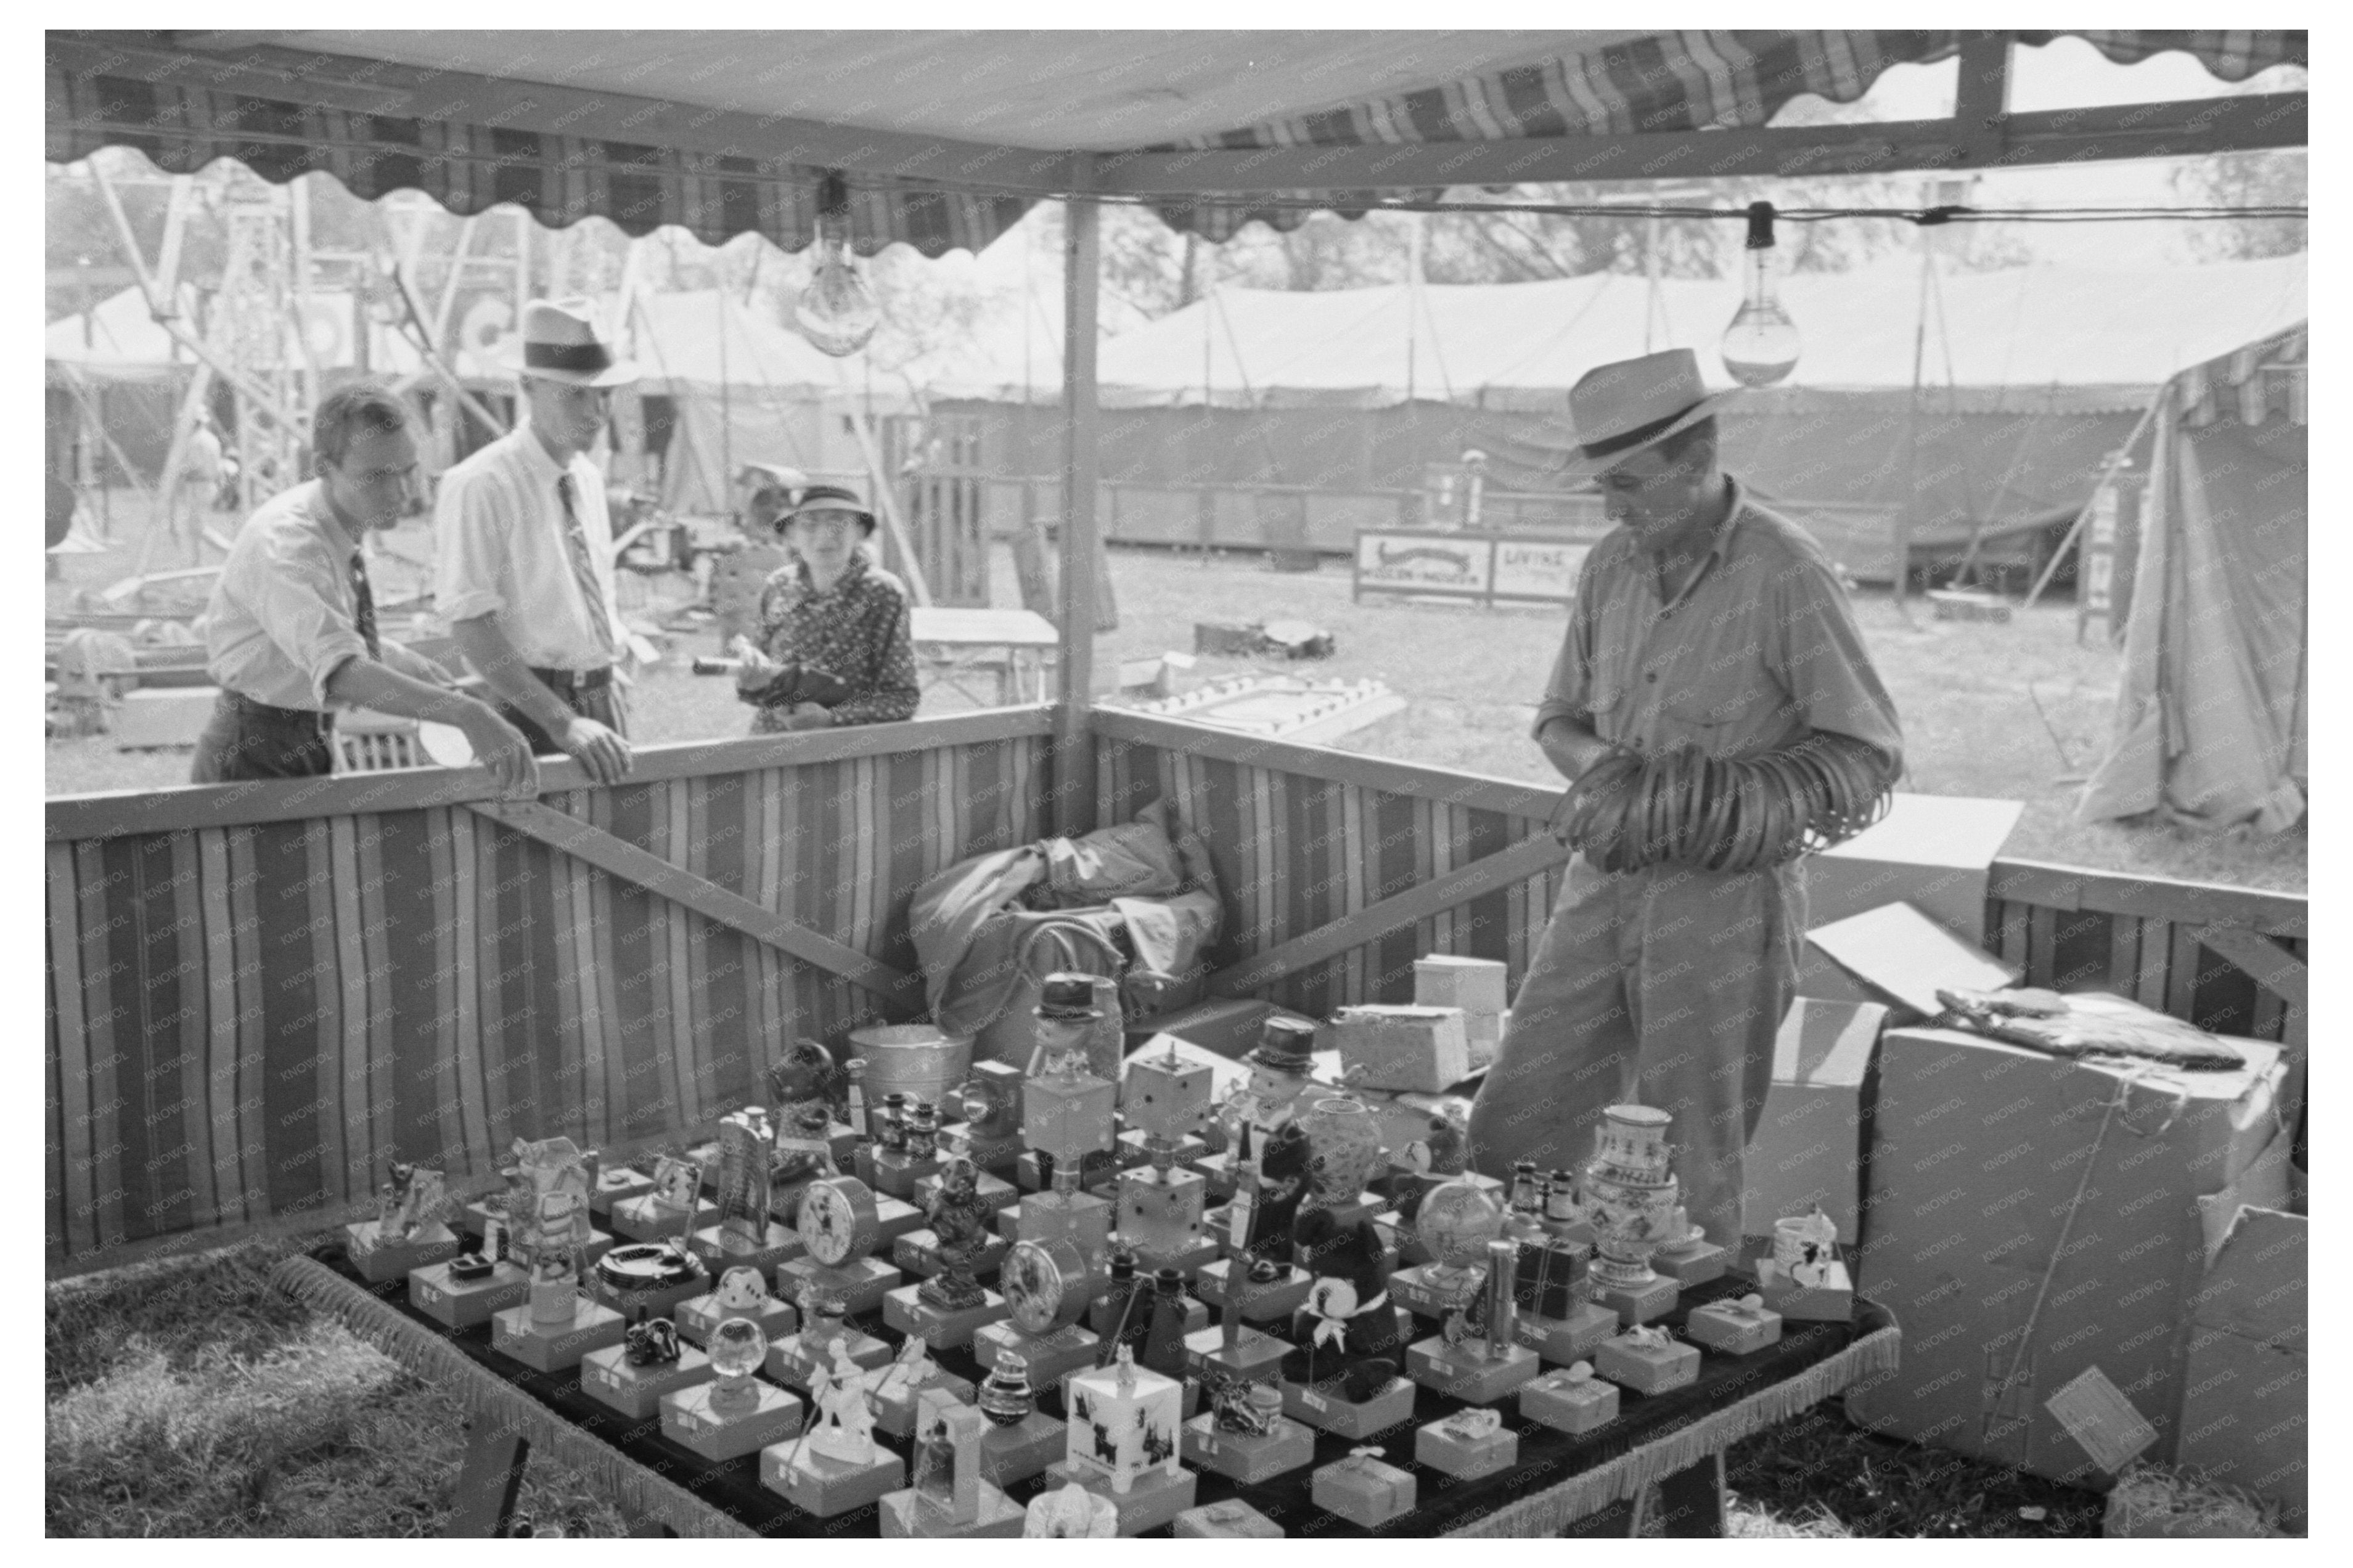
{"points": [[364, 606], [583, 571]]}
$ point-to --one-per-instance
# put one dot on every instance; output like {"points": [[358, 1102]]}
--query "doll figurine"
{"points": [[959, 1218], [838, 1395]]}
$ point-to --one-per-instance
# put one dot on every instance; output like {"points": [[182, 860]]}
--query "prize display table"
{"points": [[1561, 1484]]}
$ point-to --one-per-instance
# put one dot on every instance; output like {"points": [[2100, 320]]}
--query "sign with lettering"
{"points": [[1487, 567], [1419, 561], [1537, 569]]}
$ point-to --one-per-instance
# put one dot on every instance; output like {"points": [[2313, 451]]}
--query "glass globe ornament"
{"points": [[737, 1348], [1456, 1222]]}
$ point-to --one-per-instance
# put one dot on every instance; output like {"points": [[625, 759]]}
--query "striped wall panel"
{"points": [[1292, 852], [245, 1023], [2156, 962]]}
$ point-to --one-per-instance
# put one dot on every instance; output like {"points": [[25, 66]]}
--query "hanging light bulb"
{"points": [[837, 311], [1761, 347]]}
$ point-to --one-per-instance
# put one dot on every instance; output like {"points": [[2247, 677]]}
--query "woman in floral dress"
{"points": [[834, 645]]}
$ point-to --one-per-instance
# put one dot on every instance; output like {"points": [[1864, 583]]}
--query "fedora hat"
{"points": [[829, 498], [1616, 410], [563, 340]]}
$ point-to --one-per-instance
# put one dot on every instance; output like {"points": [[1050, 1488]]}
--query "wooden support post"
{"points": [[1074, 757], [488, 1480], [1691, 1501]]}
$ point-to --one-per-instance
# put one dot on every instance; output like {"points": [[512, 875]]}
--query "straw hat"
{"points": [[1618, 409], [563, 340]]}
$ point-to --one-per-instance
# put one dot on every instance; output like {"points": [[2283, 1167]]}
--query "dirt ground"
{"points": [[2019, 711]]}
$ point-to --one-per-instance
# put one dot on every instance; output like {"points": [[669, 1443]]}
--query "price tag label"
{"points": [[2097, 1415], [598, 1373], [1314, 1402], [429, 1295]]}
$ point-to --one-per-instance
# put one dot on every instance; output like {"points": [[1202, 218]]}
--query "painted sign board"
{"points": [[1487, 567]]}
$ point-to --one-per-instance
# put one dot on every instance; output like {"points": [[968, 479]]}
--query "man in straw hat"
{"points": [[1703, 620], [525, 574]]}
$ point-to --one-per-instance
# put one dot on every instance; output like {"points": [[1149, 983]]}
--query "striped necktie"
{"points": [[583, 571], [363, 606]]}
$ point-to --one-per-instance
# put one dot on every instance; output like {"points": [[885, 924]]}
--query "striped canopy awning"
{"points": [[980, 139], [1665, 82]]}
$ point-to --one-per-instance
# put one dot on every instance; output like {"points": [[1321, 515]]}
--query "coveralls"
{"points": [[1667, 986]]}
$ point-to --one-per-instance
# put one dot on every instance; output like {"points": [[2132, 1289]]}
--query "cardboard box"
{"points": [[1647, 1369], [1473, 984], [1572, 1404], [1979, 1152], [1232, 1518], [1419, 1049], [1362, 1489], [1931, 851], [1810, 1146], [1897, 955], [2244, 1416]]}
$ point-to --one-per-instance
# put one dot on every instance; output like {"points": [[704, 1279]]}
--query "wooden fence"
{"points": [[258, 995]]}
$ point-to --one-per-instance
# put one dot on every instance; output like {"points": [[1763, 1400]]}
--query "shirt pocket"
{"points": [[1616, 658]]}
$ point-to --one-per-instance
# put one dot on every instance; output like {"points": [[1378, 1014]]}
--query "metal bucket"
{"points": [[912, 1059]]}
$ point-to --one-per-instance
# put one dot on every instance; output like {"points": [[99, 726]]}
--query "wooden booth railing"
{"points": [[258, 994], [1338, 870], [2228, 960]]}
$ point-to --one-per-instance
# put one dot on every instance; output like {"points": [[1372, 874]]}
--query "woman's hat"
{"points": [[829, 498], [1618, 409], [563, 340]]}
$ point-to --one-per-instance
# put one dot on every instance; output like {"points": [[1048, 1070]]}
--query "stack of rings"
{"points": [[1716, 813]]}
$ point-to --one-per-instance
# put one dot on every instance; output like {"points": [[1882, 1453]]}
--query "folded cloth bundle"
{"points": [[1721, 813], [2094, 1025]]}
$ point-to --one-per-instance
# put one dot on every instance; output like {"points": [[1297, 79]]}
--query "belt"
{"points": [[258, 709], [577, 679]]}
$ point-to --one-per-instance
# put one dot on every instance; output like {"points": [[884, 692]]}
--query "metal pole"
{"points": [[1074, 765], [1912, 431]]}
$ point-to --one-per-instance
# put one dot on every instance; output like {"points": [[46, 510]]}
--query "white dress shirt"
{"points": [[501, 551], [284, 613]]}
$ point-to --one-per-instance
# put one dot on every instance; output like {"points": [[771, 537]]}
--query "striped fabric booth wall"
{"points": [[254, 1003]]}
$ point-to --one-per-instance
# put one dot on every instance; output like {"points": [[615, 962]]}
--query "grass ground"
{"points": [[190, 1399], [2017, 710]]}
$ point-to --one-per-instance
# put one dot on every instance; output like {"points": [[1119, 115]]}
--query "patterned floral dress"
{"points": [[856, 632]]}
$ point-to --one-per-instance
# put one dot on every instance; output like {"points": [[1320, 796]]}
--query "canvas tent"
{"points": [[1517, 346], [2042, 373], [733, 387], [2212, 705]]}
